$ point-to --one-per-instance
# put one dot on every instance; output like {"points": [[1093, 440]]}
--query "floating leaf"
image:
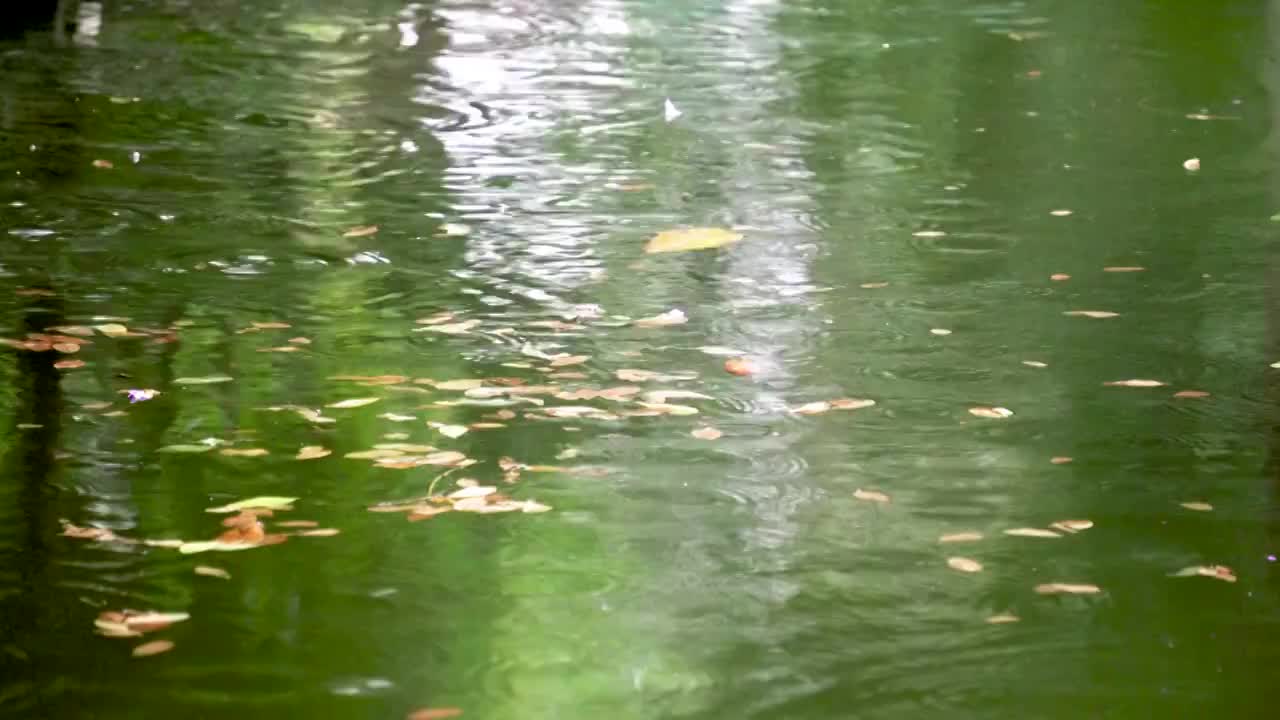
{"points": [[706, 433], [1135, 383], [939, 331], [691, 239], [393, 417], [1217, 572], [1191, 394], [464, 384], [1032, 532], [155, 647], [1060, 277], [720, 351], [376, 454], [1060, 213], [319, 532], [663, 396], [185, 448], [435, 713], [739, 366], [69, 364], [1003, 619], [1072, 526], [928, 234], [458, 328], [1191, 164], [1123, 268], [353, 403], [112, 329], [1067, 589], [207, 380], [400, 447], [191, 548], [265, 502], [244, 452], [1197, 506], [361, 231], [874, 285], [472, 491], [993, 413], [312, 452], [870, 496], [961, 537], [1060, 460], [964, 564], [567, 360], [1034, 364], [1095, 314], [449, 431], [209, 571], [670, 317]]}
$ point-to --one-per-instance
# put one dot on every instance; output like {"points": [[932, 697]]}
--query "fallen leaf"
{"points": [[993, 413], [465, 384], [458, 328], [851, 403], [1067, 589], [567, 360], [928, 233], [1060, 213], [155, 647], [1032, 532], [940, 331], [1191, 164], [375, 454], [1060, 460], [1217, 572], [964, 564], [66, 348], [961, 537], [112, 329], [297, 524], [739, 366], [1072, 526], [1197, 506], [185, 448], [319, 532], [870, 496], [1003, 619], [691, 239], [706, 433], [1123, 268], [312, 452], [1136, 383], [393, 417], [209, 571], [435, 713], [813, 408], [472, 491], [266, 502], [361, 231], [874, 285], [449, 431], [1191, 394], [69, 364], [1034, 364], [670, 317], [353, 403], [190, 548], [103, 164], [1095, 314], [1059, 277], [208, 380], [244, 452]]}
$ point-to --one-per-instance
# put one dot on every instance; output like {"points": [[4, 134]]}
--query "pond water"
{"points": [[435, 215]]}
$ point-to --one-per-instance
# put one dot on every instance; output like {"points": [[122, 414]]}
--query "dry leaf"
{"points": [[993, 413], [1095, 314], [449, 431], [1060, 213], [870, 496], [1191, 164], [961, 537], [1123, 268], [691, 239], [939, 331], [435, 713], [1068, 589], [312, 452], [1060, 460], [1136, 383], [1191, 394], [739, 366], [353, 402], [112, 329], [706, 433], [244, 452], [1034, 364], [1002, 619], [266, 502], [963, 564], [155, 647], [874, 285], [69, 364], [670, 317], [207, 380], [567, 360], [361, 231], [1032, 532], [1197, 506], [209, 571], [1059, 277], [1217, 572], [1072, 526]]}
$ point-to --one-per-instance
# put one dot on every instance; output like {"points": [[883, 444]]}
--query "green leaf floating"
{"points": [[268, 502]]}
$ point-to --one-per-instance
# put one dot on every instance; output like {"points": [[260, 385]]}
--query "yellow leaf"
{"points": [[691, 239], [1198, 506], [312, 452]]}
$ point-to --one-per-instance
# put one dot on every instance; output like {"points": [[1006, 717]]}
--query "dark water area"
{"points": [[1037, 235]]}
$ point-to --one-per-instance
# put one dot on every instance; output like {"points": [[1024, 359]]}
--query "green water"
{"points": [[188, 170]]}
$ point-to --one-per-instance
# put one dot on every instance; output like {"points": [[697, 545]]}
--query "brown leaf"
{"points": [[870, 496], [1068, 589], [739, 366], [103, 164], [964, 564], [155, 647], [361, 231], [69, 364], [435, 713]]}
